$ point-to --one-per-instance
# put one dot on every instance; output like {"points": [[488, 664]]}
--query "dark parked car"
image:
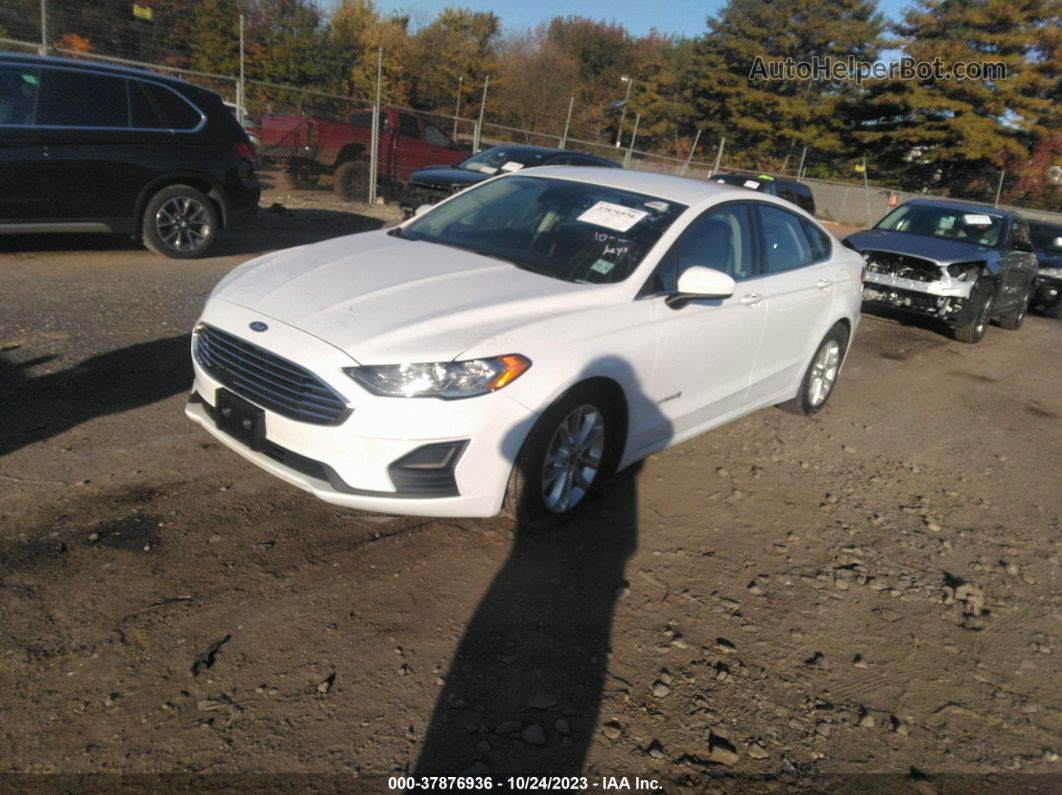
{"points": [[86, 147], [789, 189], [1047, 245], [431, 185], [960, 262]]}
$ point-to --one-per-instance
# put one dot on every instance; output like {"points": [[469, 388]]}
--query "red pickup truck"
{"points": [[407, 142]]}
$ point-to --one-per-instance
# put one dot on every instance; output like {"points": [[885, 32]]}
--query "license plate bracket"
{"points": [[239, 418]]}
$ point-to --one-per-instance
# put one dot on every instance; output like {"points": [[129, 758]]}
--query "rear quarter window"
{"points": [[177, 112]]}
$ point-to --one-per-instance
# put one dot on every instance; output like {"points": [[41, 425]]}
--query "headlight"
{"points": [[1054, 273], [441, 379]]}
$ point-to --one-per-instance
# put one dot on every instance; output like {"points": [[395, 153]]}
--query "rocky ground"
{"points": [[865, 600]]}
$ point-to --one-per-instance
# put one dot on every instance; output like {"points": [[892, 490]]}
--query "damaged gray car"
{"points": [[958, 262]]}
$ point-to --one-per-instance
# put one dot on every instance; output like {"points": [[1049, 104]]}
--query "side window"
{"points": [[18, 94], [363, 118], [1019, 231], [720, 239], [820, 242], [787, 193], [435, 136], [177, 112], [82, 99], [142, 114], [785, 244], [407, 126]]}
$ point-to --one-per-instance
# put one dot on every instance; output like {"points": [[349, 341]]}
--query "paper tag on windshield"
{"points": [[612, 216], [976, 219], [512, 165], [751, 183], [603, 266]]}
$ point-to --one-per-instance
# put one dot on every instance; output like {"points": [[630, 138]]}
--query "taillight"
{"points": [[246, 151]]}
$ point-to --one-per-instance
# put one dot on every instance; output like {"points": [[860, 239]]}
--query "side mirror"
{"points": [[701, 282], [1022, 245], [421, 210]]}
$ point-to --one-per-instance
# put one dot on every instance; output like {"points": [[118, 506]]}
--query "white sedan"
{"points": [[519, 342]]}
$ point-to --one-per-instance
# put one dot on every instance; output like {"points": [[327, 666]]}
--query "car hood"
{"points": [[941, 251], [1047, 259], [384, 300], [444, 175]]}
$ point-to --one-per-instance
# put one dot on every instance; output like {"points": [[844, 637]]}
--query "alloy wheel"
{"points": [[182, 223], [824, 372], [573, 459]]}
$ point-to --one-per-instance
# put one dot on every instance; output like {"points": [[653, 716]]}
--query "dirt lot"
{"points": [[783, 602]]}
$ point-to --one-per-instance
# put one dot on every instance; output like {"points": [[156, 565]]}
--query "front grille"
{"points": [[904, 266], [268, 380], [419, 193]]}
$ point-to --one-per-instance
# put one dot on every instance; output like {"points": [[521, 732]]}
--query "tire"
{"points": [[1054, 311], [536, 501], [821, 376], [1012, 320], [974, 330], [180, 222], [351, 180]]}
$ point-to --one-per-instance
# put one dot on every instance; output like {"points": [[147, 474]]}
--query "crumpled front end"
{"points": [[913, 283]]}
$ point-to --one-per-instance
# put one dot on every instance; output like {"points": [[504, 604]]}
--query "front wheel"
{"points": [[821, 375], [180, 222], [563, 460], [974, 329]]}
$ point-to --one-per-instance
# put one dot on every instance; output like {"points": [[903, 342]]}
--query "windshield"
{"points": [[972, 225], [1047, 237], [573, 231], [504, 158]]}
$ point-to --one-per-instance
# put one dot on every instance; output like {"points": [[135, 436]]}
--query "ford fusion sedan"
{"points": [[958, 262], [431, 185], [513, 346], [1047, 244]]}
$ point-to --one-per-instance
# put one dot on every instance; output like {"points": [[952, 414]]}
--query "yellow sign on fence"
{"points": [[142, 12]]}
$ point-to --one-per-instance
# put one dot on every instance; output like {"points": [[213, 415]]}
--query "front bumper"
{"points": [[414, 195], [943, 299], [359, 463]]}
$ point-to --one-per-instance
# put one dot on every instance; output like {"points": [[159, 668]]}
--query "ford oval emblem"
{"points": [[258, 325]]}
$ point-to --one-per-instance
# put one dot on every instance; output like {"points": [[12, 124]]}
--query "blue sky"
{"points": [[683, 17]]}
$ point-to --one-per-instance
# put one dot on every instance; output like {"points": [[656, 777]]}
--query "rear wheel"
{"points": [[351, 180], [821, 375], [974, 329], [1012, 320], [563, 459], [180, 222]]}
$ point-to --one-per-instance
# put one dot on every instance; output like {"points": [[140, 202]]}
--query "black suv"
{"points": [[86, 147], [789, 189]]}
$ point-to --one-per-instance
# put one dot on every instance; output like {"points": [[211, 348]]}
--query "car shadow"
{"points": [[35, 408], [524, 691]]}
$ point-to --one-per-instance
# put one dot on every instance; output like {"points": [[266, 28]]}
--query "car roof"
{"points": [[95, 66], [962, 206], [683, 190]]}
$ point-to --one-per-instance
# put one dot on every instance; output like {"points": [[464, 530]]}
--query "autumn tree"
{"points": [[215, 36], [535, 82], [458, 47]]}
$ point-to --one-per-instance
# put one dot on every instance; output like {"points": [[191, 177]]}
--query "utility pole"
{"points": [[719, 156], [567, 123], [479, 125], [44, 27], [241, 96], [630, 147], [374, 155], [457, 107], [623, 114]]}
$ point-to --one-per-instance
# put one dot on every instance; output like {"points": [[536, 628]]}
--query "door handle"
{"points": [[823, 284], [750, 300]]}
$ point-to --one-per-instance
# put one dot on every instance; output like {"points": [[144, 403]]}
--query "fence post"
{"points": [[719, 156], [800, 168], [866, 189], [567, 122], [479, 124], [630, 147], [241, 89], [844, 203], [457, 107], [999, 187], [374, 155], [689, 158], [44, 27]]}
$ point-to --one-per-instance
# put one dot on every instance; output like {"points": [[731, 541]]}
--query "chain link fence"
{"points": [[307, 136]]}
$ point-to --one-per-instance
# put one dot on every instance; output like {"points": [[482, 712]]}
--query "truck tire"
{"points": [[351, 180]]}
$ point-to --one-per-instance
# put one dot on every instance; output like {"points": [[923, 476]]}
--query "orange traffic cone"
{"points": [[892, 200]]}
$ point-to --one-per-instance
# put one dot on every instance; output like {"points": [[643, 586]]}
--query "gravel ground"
{"points": [[783, 602]]}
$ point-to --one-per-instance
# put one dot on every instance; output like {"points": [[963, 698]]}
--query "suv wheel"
{"points": [[973, 330], [180, 222], [1012, 320], [563, 459]]}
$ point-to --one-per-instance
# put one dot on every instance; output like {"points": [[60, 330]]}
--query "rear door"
{"points": [[798, 288], [105, 142], [24, 194], [1017, 265]]}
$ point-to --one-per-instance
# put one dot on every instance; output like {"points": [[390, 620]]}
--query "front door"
{"points": [[24, 194]]}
